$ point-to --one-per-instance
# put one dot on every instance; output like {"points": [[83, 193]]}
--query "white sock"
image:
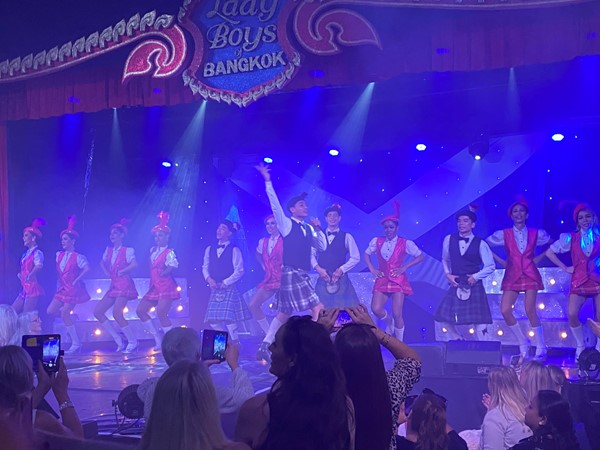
{"points": [[73, 333], [399, 333], [129, 334], [264, 324], [516, 329], [578, 335], [276, 324], [388, 322], [110, 329], [540, 343], [232, 329]]}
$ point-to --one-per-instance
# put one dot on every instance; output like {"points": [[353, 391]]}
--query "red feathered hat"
{"points": [[71, 221], [393, 217], [163, 220], [578, 208], [35, 227], [520, 200], [270, 216], [121, 225]]}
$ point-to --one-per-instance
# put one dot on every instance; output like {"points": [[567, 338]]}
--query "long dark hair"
{"points": [[308, 407], [558, 431], [428, 419], [367, 386]]}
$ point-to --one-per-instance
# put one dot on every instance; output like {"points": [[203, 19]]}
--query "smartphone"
{"points": [[45, 348], [342, 319], [214, 344]]}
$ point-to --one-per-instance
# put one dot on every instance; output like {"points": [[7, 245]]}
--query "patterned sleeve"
{"points": [[81, 261], [401, 379], [129, 254], [563, 244]]}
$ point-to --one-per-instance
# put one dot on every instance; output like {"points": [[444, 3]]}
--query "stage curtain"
{"points": [[4, 255]]}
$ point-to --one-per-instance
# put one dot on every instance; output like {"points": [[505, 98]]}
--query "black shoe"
{"points": [[263, 353]]}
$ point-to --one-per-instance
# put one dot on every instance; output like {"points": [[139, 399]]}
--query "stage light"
{"points": [[563, 335], [494, 283], [552, 281], [541, 306], [500, 333], [180, 308], [421, 147], [268, 160], [97, 331], [334, 152], [479, 148], [166, 164], [98, 291], [444, 330], [557, 137], [153, 309], [531, 333], [125, 310], [471, 330], [178, 288], [477, 157]]}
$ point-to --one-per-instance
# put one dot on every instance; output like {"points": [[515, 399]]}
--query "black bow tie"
{"points": [[332, 233], [464, 239], [221, 245]]}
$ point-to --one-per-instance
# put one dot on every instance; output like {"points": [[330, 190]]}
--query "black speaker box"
{"points": [[472, 358], [433, 358]]}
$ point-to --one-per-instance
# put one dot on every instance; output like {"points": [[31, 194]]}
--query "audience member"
{"points": [[559, 379], [369, 386], [549, 416], [185, 413], [535, 377], [426, 426], [8, 326], [504, 423], [183, 344], [307, 408]]}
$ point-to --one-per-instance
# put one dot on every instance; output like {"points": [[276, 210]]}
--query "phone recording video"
{"points": [[343, 318], [214, 344], [45, 348]]}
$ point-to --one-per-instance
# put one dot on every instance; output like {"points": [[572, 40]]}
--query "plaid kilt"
{"points": [[345, 296], [589, 288], [227, 305], [475, 310], [295, 294]]}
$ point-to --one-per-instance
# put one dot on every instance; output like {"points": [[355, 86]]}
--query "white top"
{"points": [[38, 256], [349, 242], [81, 260], [284, 223], [171, 260], [238, 264], [497, 238], [563, 244], [501, 430], [129, 255], [387, 249], [484, 252], [270, 245]]}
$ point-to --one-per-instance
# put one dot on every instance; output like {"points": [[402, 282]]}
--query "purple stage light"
{"points": [[557, 137], [421, 147], [316, 73], [268, 160], [334, 152], [156, 90], [166, 164]]}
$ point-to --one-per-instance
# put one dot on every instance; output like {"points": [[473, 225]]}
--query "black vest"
{"points": [[470, 262], [297, 247], [220, 268], [335, 253]]}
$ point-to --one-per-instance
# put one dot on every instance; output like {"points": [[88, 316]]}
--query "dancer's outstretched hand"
{"points": [[264, 171]]}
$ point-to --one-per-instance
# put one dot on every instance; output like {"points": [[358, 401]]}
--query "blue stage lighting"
{"points": [[166, 164], [421, 147], [557, 137], [267, 160], [334, 152]]}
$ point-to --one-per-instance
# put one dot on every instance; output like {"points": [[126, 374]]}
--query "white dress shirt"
{"points": [[563, 244], [387, 249], [81, 260], [38, 256], [284, 223], [351, 247], [238, 263], [485, 254], [171, 260], [497, 239], [270, 245], [129, 255]]}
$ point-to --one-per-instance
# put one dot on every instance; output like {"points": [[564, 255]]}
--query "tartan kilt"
{"points": [[227, 305], [295, 294], [589, 288], [475, 310], [345, 296]]}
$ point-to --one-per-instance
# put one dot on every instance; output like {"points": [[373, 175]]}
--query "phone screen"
{"points": [[214, 344], [342, 319], [51, 352]]}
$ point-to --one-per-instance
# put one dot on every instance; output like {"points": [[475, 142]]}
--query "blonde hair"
{"points": [[185, 412], [16, 370], [558, 377], [506, 392], [8, 326], [535, 377]]}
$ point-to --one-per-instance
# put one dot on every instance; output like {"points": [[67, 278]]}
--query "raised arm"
{"points": [[284, 223]]}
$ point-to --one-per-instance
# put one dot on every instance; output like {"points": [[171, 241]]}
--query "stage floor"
{"points": [[98, 375]]}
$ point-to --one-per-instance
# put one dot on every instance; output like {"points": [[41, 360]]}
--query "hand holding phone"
{"points": [[214, 344], [44, 348], [343, 318]]}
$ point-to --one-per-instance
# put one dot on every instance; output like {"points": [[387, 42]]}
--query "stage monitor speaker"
{"points": [[433, 357], [472, 358]]}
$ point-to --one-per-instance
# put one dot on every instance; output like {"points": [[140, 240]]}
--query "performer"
{"points": [[467, 260], [32, 263], [296, 293], [163, 288], [522, 274], [390, 277], [270, 256], [71, 267], [223, 267], [584, 245], [117, 263], [334, 288]]}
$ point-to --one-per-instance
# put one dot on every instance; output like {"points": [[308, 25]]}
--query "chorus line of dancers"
{"points": [[295, 245]]}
